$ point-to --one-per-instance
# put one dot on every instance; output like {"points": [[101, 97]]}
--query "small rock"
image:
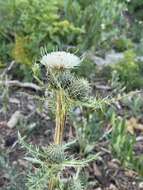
{"points": [[14, 119], [112, 187], [110, 58], [99, 188], [141, 185], [14, 101]]}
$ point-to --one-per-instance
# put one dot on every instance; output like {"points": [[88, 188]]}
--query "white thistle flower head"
{"points": [[60, 60]]}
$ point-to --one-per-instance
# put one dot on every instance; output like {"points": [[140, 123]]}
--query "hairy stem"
{"points": [[51, 185], [60, 117], [60, 123]]}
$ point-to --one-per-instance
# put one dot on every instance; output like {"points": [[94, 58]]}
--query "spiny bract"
{"points": [[62, 80], [55, 153], [79, 89]]}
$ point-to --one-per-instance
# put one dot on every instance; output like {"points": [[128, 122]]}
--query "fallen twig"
{"points": [[16, 83], [7, 69], [102, 87]]}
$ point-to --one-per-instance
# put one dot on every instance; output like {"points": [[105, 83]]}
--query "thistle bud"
{"points": [[55, 153], [79, 89], [62, 80]]}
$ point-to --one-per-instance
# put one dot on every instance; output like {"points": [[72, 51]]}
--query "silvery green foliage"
{"points": [[37, 180], [12, 174], [50, 163], [78, 182], [54, 153]]}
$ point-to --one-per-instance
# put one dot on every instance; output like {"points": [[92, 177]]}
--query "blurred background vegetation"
{"points": [[28, 25]]}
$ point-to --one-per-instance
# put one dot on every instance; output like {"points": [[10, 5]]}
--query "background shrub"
{"points": [[130, 71], [97, 18], [30, 24]]}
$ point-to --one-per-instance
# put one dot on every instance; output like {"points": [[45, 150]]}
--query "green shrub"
{"points": [[122, 144], [135, 8], [139, 48], [122, 44], [87, 69], [88, 129], [135, 105], [135, 31], [33, 23], [29, 24], [130, 72], [135, 18], [96, 18]]}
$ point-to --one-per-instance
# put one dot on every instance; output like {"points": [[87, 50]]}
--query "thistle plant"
{"points": [[66, 89], [65, 85]]}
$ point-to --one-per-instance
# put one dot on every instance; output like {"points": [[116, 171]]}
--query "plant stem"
{"points": [[60, 117], [51, 185], [60, 123]]}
